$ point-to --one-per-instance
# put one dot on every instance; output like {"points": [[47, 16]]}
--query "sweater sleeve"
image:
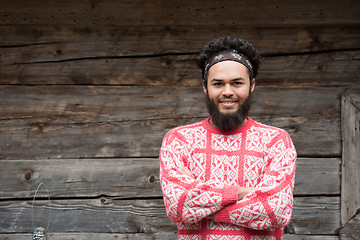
{"points": [[270, 204], [188, 200]]}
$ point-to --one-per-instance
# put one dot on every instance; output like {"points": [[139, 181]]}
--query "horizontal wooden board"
{"points": [[310, 237], [157, 236], [321, 69], [100, 236], [151, 13], [130, 178], [76, 104], [186, 12], [311, 215], [58, 42], [317, 176], [305, 219], [81, 121]]}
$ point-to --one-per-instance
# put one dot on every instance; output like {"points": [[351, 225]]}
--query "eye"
{"points": [[237, 83], [217, 83]]}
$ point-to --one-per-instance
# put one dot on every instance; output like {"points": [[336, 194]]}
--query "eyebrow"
{"points": [[220, 80]]}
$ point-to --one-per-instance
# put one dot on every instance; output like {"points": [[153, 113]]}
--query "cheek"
{"points": [[243, 93], [213, 95]]}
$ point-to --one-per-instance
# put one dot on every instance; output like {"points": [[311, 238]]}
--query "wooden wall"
{"points": [[88, 88]]}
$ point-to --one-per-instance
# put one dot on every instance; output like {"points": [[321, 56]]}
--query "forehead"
{"points": [[228, 70]]}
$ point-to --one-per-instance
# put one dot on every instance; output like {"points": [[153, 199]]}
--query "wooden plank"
{"points": [[310, 237], [97, 236], [311, 215], [66, 178], [350, 177], [45, 43], [162, 12], [24, 139], [90, 104], [338, 68], [103, 215], [315, 215], [351, 230], [311, 69], [81, 121], [131, 178], [317, 176], [156, 236]]}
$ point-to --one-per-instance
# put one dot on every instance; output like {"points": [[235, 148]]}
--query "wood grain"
{"points": [[131, 178], [180, 13], [141, 236], [311, 215], [58, 42], [338, 68], [85, 122], [76, 104], [350, 178], [305, 219], [351, 230]]}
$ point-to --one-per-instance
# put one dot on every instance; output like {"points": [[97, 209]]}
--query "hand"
{"points": [[243, 191], [186, 171]]}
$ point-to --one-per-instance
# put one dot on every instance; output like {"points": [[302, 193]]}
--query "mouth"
{"points": [[228, 102]]}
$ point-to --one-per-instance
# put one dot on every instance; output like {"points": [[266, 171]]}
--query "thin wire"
{"points": [[32, 207]]}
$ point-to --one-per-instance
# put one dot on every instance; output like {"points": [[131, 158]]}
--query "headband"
{"points": [[231, 55]]}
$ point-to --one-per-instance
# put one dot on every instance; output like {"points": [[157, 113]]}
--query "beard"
{"points": [[229, 121]]}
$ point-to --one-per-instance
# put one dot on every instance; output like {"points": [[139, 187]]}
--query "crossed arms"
{"points": [[242, 191], [188, 199]]}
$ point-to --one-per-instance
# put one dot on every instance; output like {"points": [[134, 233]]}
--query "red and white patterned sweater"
{"points": [[255, 155]]}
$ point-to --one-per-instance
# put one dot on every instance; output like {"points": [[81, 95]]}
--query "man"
{"points": [[228, 177]]}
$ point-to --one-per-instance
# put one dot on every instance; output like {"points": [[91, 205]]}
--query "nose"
{"points": [[228, 91]]}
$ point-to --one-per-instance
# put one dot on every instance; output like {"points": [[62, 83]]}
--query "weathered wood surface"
{"points": [[140, 236], [186, 12], [350, 177], [338, 68], [311, 215], [131, 178], [351, 230], [103, 236], [309, 237], [86, 122], [315, 215], [51, 42], [317, 176], [76, 104]]}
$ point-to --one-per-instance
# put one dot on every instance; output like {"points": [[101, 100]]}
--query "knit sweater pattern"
{"points": [[206, 208]]}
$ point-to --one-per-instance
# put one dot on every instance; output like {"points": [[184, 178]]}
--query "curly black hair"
{"points": [[228, 43]]}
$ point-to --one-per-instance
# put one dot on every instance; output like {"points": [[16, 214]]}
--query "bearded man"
{"points": [[228, 176]]}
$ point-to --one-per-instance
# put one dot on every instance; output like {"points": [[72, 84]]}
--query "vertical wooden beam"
{"points": [[350, 177]]}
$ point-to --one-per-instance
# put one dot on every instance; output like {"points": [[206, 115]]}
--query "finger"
{"points": [[187, 172]]}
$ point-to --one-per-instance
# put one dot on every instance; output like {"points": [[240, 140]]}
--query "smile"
{"points": [[227, 103]]}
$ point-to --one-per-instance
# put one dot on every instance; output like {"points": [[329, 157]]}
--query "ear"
{"points": [[253, 85], [204, 87]]}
